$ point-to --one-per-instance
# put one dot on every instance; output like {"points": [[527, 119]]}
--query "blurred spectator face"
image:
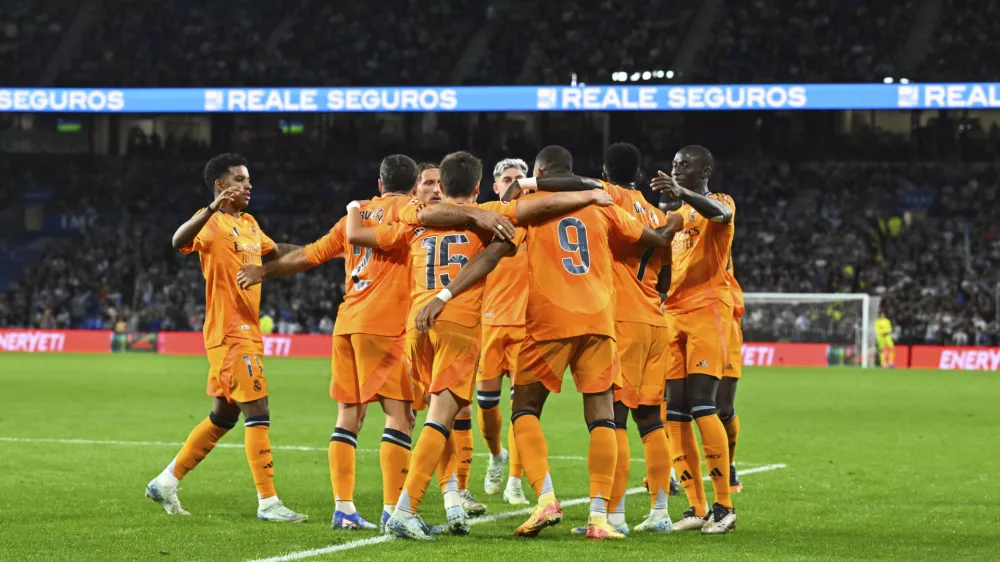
{"points": [[507, 177], [428, 187]]}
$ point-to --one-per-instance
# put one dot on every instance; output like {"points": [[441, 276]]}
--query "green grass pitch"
{"points": [[880, 465]]}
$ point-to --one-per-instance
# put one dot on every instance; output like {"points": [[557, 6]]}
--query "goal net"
{"points": [[844, 321]]}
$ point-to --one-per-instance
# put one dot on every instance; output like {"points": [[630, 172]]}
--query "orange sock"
{"points": [[716, 446], [393, 458], [686, 457], [447, 468], [656, 451], [732, 426], [623, 464], [425, 457], [602, 456], [516, 468], [534, 452], [490, 422], [462, 432], [199, 443], [343, 445], [257, 445]]}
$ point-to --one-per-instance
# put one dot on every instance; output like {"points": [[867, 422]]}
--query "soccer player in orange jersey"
{"points": [[726, 397], [226, 238], [700, 310], [569, 322], [503, 331], [641, 334], [445, 359], [369, 362]]}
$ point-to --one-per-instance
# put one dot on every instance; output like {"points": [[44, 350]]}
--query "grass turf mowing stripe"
{"points": [[474, 521]]}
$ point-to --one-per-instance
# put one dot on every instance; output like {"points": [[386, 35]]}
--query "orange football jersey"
{"points": [[637, 268], [225, 244], [436, 255], [378, 281], [570, 274], [700, 254], [506, 294]]}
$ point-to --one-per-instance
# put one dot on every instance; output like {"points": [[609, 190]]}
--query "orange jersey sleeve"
{"points": [[331, 245], [408, 213], [506, 293], [700, 253], [637, 268], [571, 280], [377, 284], [224, 245], [436, 257]]}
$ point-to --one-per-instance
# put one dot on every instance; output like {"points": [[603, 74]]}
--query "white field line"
{"points": [[475, 521], [224, 445]]}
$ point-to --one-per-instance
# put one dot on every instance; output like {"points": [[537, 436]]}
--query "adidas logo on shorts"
{"points": [[702, 363]]}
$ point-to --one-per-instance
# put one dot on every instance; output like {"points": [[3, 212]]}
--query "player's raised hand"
{"points": [[227, 195], [249, 275], [601, 198], [494, 223], [666, 183], [425, 318]]}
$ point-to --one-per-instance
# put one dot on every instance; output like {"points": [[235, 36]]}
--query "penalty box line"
{"points": [[72, 441], [474, 521]]}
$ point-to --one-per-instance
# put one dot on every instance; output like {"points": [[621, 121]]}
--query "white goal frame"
{"points": [[869, 311]]}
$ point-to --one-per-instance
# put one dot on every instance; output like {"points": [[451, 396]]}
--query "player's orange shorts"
{"points": [[592, 359], [501, 344], [643, 352], [734, 354], [698, 341], [366, 366], [236, 370], [445, 358]]}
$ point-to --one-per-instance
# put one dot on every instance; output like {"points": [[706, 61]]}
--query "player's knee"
{"points": [[646, 416], [222, 422], [464, 411], [726, 413], [255, 409], [678, 411], [610, 424], [523, 412], [621, 415], [702, 407], [488, 399]]}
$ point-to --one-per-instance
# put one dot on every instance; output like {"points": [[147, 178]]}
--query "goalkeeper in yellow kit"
{"points": [[883, 338]]}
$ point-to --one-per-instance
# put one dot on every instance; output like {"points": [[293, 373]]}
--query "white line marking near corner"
{"points": [[71, 441], [476, 521]]}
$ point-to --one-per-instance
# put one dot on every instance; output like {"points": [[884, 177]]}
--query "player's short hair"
{"points": [[621, 163], [461, 173], [700, 153], [398, 173], [554, 159], [508, 163], [423, 167], [219, 166]]}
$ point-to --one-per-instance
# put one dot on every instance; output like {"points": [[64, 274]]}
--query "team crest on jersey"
{"points": [[692, 216], [418, 231]]}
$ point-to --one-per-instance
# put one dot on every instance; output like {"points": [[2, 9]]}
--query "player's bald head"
{"points": [[397, 173], [699, 155], [553, 159]]}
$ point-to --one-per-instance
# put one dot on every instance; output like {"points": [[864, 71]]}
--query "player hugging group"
{"points": [[639, 302]]}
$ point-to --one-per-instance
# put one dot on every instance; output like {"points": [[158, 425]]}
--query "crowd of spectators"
{"points": [[806, 227], [406, 42]]}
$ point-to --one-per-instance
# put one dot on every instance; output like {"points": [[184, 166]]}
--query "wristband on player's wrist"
{"points": [[353, 205], [444, 295], [528, 183]]}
